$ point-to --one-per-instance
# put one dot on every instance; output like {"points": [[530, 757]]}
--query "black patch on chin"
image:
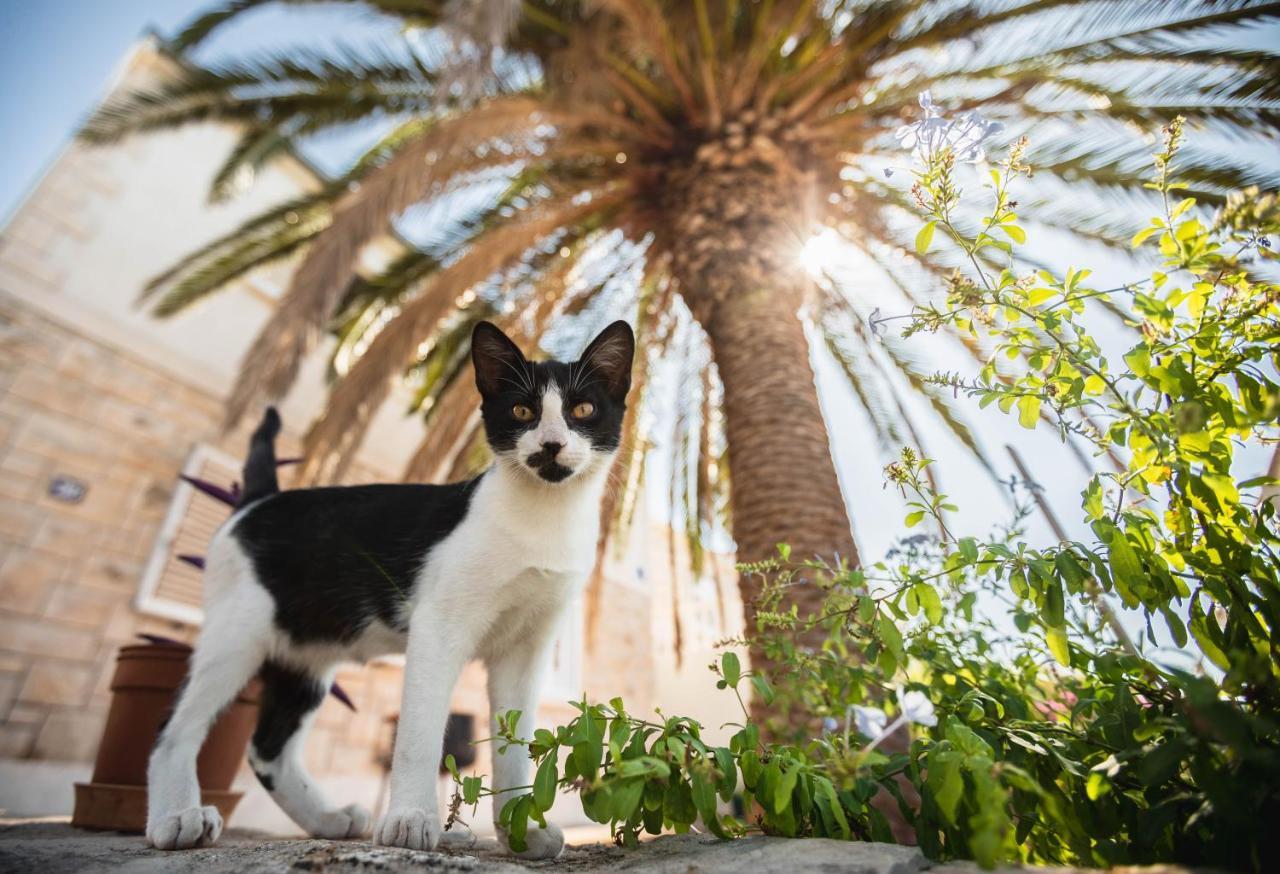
{"points": [[544, 462], [268, 782], [552, 471]]}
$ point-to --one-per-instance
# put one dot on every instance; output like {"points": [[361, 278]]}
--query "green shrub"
{"points": [[1063, 741]]}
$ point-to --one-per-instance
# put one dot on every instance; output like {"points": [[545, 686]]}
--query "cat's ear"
{"points": [[608, 358], [497, 360]]}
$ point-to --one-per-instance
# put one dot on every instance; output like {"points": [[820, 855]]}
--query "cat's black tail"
{"points": [[260, 467]]}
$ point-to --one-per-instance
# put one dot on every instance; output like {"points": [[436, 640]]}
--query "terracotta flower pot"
{"points": [[144, 689]]}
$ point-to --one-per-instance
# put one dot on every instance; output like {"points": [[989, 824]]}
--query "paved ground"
{"points": [[53, 847]]}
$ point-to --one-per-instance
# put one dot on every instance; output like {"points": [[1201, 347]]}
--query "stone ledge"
{"points": [[53, 847]]}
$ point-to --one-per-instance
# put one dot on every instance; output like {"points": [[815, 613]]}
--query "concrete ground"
{"points": [[51, 846]]}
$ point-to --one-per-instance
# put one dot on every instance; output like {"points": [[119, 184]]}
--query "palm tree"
{"points": [[670, 160]]}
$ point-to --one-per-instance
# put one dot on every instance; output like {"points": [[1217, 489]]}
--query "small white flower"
{"points": [[869, 721], [964, 136], [917, 708]]}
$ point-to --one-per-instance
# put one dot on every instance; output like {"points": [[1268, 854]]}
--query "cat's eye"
{"points": [[583, 410], [522, 413]]}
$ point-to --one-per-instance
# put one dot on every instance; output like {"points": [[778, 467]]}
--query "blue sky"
{"points": [[58, 58], [55, 61]]}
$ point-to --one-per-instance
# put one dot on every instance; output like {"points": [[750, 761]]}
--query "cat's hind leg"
{"points": [[290, 697]]}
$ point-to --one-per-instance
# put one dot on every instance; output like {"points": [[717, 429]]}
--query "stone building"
{"points": [[102, 406]]}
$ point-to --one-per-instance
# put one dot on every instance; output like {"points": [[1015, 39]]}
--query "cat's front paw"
{"points": [[351, 821], [541, 843], [412, 828], [193, 827]]}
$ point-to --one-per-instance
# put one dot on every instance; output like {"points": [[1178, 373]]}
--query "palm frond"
{"points": [[199, 29], [269, 238], [272, 363], [356, 397], [318, 89]]}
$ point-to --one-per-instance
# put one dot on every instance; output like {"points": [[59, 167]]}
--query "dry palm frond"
{"points": [[353, 401], [620, 479], [432, 159]]}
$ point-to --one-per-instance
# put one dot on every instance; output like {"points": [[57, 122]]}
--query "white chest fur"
{"points": [[518, 530]]}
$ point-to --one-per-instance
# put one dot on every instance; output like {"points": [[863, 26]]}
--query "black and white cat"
{"points": [[301, 580]]}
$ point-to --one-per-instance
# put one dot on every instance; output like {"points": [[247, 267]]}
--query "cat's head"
{"points": [[552, 420]]}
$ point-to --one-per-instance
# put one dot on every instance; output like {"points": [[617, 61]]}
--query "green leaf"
{"points": [[946, 783], [891, 636], [544, 784], [786, 785], [1093, 499], [704, 799], [1037, 296], [1142, 236], [930, 602], [924, 238], [1017, 234], [1054, 608], [1028, 411], [762, 687], [625, 798], [1176, 628], [677, 804], [1072, 573], [1056, 638], [749, 762], [826, 793], [586, 756], [730, 668], [728, 782], [519, 825], [1126, 569], [914, 517], [471, 789], [451, 765]]}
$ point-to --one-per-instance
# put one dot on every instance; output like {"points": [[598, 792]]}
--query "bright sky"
{"points": [[56, 59]]}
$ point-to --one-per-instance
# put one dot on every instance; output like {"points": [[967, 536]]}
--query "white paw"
{"points": [[543, 843], [457, 838], [412, 828], [351, 821], [193, 827]]}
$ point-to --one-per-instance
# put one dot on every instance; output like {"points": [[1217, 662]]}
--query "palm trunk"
{"points": [[740, 217], [785, 488]]}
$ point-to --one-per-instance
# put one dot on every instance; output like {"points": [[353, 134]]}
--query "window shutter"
{"points": [[170, 587]]}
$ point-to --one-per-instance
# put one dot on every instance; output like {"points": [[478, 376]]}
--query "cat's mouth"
{"points": [[548, 468]]}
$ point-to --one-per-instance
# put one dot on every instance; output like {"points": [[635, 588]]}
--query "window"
{"points": [[170, 587]]}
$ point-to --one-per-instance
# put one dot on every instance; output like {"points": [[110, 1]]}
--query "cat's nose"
{"points": [[552, 448]]}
